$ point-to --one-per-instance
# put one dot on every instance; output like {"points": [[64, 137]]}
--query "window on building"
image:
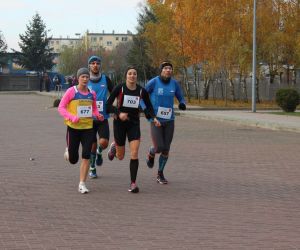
{"points": [[100, 38], [124, 39], [57, 42], [109, 43], [117, 38]]}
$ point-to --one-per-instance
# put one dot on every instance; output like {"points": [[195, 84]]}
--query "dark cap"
{"points": [[164, 64], [94, 59], [82, 71]]}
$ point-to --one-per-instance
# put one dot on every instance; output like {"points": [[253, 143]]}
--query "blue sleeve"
{"points": [[150, 86], [178, 93]]}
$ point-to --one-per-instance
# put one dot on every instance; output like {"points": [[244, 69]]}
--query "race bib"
{"points": [[131, 101], [100, 106], [84, 111], [164, 113]]}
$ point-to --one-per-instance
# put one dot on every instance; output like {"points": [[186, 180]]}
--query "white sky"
{"points": [[67, 17]]}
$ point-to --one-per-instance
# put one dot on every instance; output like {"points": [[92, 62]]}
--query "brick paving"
{"points": [[231, 187]]}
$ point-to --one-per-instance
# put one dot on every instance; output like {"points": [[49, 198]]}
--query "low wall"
{"points": [[19, 83]]}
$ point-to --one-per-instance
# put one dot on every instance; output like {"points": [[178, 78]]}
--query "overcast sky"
{"points": [[67, 17]]}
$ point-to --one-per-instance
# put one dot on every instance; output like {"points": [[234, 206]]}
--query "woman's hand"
{"points": [[123, 116], [100, 117]]}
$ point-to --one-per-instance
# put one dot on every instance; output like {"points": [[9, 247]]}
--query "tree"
{"points": [[3, 45], [35, 53], [137, 55]]}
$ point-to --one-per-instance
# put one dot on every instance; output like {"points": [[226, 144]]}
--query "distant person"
{"points": [[47, 82], [78, 107], [56, 81], [162, 90], [102, 85], [74, 81], [70, 82], [41, 81]]}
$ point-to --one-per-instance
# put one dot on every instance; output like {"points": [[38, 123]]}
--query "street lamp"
{"points": [[254, 59]]}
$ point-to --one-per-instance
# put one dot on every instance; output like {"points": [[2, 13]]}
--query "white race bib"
{"points": [[131, 101], [164, 113], [84, 111], [100, 106]]}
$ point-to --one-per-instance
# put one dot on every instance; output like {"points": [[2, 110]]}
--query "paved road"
{"points": [[231, 187]]}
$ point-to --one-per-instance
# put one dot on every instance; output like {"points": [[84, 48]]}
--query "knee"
{"points": [[73, 160], [160, 149], [165, 153], [120, 156], [104, 144]]}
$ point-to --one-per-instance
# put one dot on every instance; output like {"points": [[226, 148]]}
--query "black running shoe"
{"points": [[161, 179], [133, 188], [112, 151], [150, 160]]}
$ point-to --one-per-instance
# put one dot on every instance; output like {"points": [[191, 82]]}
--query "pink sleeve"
{"points": [[66, 99], [95, 109]]}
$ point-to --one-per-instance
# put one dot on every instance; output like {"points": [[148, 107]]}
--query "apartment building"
{"points": [[108, 41]]}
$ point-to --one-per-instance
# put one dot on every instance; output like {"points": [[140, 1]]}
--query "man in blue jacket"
{"points": [[162, 90], [101, 84]]}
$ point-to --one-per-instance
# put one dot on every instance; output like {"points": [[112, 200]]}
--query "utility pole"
{"points": [[254, 59]]}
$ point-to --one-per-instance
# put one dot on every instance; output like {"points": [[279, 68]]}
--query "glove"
{"points": [[182, 106], [75, 119]]}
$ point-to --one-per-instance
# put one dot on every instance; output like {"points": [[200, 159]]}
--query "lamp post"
{"points": [[254, 59]]}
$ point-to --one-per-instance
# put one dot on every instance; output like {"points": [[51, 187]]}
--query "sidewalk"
{"points": [[261, 119]]}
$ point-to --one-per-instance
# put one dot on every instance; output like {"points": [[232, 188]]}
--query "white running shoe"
{"points": [[82, 189], [66, 154]]}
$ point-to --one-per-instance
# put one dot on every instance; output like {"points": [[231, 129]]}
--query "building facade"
{"points": [[108, 41]]}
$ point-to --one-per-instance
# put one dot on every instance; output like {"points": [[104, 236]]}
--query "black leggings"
{"points": [[74, 138], [162, 136]]}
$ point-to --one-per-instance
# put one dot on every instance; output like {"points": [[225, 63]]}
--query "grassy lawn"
{"points": [[286, 113], [230, 104]]}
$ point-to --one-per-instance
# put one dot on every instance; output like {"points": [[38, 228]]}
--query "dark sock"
{"points": [[92, 160], [99, 149], [162, 162], [134, 165]]}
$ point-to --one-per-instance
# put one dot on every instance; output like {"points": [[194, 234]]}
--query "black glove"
{"points": [[182, 106]]}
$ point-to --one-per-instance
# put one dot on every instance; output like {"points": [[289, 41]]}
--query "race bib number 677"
{"points": [[84, 111]]}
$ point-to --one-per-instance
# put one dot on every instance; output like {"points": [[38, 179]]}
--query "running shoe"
{"points": [[93, 173], [161, 178], [150, 160], [66, 154], [133, 188], [99, 159], [82, 189], [112, 151]]}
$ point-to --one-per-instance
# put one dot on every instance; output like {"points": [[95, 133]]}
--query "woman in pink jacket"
{"points": [[78, 107]]}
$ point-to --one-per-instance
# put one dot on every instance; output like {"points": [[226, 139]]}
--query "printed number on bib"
{"points": [[84, 111], [164, 113], [100, 106], [131, 101]]}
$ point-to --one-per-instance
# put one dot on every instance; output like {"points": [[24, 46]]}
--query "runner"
{"points": [[101, 84], [162, 90], [78, 106], [127, 121]]}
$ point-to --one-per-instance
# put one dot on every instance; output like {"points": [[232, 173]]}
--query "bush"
{"points": [[287, 99], [56, 103]]}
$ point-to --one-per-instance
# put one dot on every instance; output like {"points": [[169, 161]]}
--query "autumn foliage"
{"points": [[217, 35]]}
